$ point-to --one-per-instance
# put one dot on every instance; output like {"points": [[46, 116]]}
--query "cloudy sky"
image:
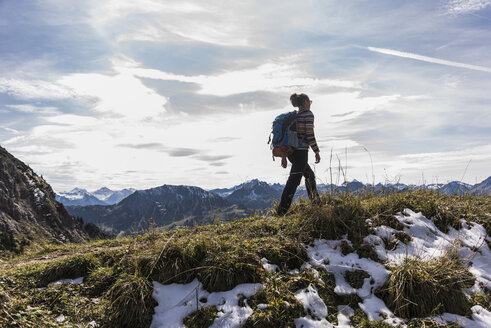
{"points": [[126, 93]]}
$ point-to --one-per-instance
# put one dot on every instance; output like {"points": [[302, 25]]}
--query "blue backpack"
{"points": [[284, 133]]}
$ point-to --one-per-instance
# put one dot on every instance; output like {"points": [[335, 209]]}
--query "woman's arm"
{"points": [[305, 123]]}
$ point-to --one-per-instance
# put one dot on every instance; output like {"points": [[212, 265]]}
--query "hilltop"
{"points": [[418, 258]]}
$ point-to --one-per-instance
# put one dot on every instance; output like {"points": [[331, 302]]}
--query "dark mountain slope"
{"points": [[482, 188], [29, 212], [255, 194], [165, 206]]}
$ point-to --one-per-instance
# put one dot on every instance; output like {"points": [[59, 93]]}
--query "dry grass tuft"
{"points": [[131, 302], [417, 289]]}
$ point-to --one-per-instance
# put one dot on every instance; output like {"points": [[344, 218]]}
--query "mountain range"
{"points": [[165, 206], [253, 194], [168, 206], [102, 196]]}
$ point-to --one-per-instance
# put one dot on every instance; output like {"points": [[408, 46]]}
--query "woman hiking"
{"points": [[299, 157]]}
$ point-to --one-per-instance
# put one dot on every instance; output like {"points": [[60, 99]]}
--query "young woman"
{"points": [[299, 158]]}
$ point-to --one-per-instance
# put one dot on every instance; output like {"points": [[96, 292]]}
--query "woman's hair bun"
{"points": [[294, 100], [298, 100]]}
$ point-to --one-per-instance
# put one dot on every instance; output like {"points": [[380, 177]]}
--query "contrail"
{"points": [[428, 59]]}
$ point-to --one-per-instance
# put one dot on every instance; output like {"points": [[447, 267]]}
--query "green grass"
{"points": [[118, 273]]}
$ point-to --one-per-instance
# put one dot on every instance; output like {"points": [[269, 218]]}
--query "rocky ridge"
{"points": [[29, 212]]}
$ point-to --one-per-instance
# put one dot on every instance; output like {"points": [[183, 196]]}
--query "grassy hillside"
{"points": [[118, 274]]}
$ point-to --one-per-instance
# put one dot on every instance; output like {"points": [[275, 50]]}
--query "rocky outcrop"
{"points": [[29, 212]]}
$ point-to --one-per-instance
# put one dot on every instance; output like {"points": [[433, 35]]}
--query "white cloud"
{"points": [[74, 120], [318, 59], [9, 129], [157, 21], [477, 153], [432, 166], [279, 76], [107, 11], [28, 108], [428, 59], [93, 144], [332, 109], [34, 89], [451, 81], [457, 7], [409, 168], [337, 144], [122, 94]]}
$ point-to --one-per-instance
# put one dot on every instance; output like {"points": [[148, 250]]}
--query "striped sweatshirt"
{"points": [[305, 128]]}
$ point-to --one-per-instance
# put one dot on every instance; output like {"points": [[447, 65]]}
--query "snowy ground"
{"points": [[176, 301]]}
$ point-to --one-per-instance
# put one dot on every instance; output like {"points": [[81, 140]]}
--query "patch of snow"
{"points": [[481, 318], [434, 186], [103, 193], [38, 195], [176, 301], [339, 264], [473, 238], [269, 267], [293, 272], [428, 242], [253, 195], [309, 322], [311, 301], [60, 318], [344, 316], [76, 281], [224, 193], [376, 309]]}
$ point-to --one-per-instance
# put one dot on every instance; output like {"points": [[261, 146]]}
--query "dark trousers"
{"points": [[300, 168]]}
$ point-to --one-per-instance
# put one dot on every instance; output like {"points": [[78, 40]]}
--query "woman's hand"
{"points": [[283, 162], [317, 158]]}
